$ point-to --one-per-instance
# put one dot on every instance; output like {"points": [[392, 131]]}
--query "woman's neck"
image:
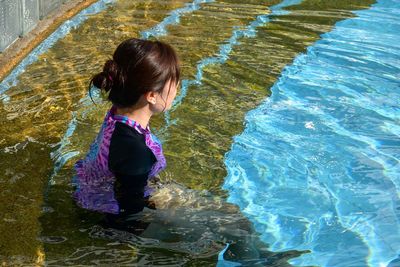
{"points": [[140, 115]]}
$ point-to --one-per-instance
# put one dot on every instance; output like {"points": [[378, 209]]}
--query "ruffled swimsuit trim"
{"points": [[94, 181]]}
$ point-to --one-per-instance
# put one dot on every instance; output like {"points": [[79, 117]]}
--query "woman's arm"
{"points": [[129, 190], [131, 161]]}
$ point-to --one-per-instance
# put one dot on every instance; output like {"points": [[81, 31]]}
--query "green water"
{"points": [[39, 110]]}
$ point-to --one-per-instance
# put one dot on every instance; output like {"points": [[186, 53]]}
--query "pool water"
{"points": [[232, 54], [317, 166]]}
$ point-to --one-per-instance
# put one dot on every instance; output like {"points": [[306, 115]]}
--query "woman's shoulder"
{"points": [[122, 129], [125, 138]]}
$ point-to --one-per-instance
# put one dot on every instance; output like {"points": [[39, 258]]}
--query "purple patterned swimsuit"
{"points": [[94, 181]]}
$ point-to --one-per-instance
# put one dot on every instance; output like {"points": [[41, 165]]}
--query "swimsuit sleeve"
{"points": [[130, 160], [129, 191], [131, 163], [129, 155]]}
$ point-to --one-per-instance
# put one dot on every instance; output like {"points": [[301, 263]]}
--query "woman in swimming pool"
{"points": [[141, 80]]}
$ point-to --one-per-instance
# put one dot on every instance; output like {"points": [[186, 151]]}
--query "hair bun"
{"points": [[108, 78], [111, 70], [137, 66]]}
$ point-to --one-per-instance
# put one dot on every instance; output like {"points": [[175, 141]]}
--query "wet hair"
{"points": [[137, 67]]}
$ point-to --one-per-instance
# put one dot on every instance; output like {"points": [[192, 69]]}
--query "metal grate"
{"points": [[30, 15], [10, 24], [18, 17], [46, 6]]}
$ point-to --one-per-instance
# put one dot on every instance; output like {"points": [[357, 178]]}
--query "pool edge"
{"points": [[18, 50]]}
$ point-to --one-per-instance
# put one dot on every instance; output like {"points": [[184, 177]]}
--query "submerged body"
{"points": [[113, 176], [142, 80]]}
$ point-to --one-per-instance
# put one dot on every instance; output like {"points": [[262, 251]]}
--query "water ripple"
{"points": [[63, 30], [59, 157], [317, 166]]}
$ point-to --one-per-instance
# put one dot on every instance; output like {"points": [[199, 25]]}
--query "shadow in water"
{"points": [[187, 227]]}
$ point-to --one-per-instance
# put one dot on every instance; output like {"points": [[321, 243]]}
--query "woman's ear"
{"points": [[151, 97]]}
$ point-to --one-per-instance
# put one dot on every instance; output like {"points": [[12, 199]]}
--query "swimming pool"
{"points": [[317, 167], [232, 53]]}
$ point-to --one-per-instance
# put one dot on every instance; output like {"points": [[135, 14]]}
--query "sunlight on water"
{"points": [[317, 166], [233, 50]]}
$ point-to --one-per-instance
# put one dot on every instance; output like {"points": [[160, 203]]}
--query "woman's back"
{"points": [[140, 80], [113, 175]]}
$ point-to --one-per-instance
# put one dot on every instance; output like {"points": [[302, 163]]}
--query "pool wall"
{"points": [[25, 23]]}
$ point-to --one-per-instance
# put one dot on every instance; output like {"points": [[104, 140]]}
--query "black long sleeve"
{"points": [[130, 160]]}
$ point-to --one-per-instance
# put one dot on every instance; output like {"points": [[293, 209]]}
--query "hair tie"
{"points": [[109, 76]]}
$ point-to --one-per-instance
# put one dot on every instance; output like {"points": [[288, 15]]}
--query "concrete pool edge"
{"points": [[17, 51]]}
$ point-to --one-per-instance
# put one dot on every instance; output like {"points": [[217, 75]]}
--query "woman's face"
{"points": [[166, 97]]}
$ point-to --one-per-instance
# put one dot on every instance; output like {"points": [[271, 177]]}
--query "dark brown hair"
{"points": [[138, 66]]}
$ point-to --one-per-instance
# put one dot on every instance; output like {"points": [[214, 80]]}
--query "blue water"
{"points": [[317, 166]]}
